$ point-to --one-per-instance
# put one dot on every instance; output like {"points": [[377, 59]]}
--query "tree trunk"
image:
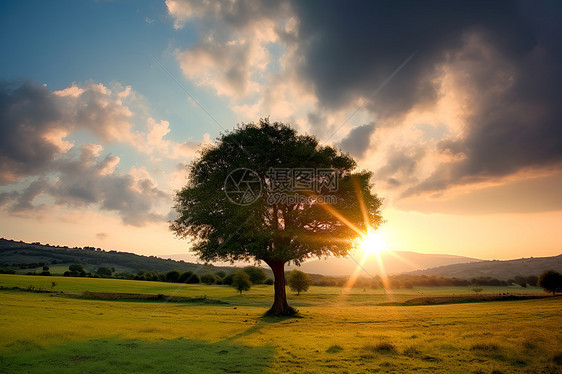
{"points": [[280, 306]]}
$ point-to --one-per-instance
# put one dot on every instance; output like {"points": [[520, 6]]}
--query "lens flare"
{"points": [[372, 244]]}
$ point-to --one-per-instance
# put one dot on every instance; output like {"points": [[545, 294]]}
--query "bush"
{"points": [[228, 279], [221, 274], [208, 278], [77, 268], [268, 281], [334, 349], [189, 277], [104, 271], [241, 281], [257, 274], [172, 276], [382, 347]]}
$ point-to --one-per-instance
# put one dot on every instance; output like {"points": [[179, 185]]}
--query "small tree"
{"points": [[257, 275], [241, 281], [299, 281], [551, 281], [172, 276]]}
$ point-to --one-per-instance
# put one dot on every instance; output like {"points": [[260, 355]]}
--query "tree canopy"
{"points": [[230, 208]]}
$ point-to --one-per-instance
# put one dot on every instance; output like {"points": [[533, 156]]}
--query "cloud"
{"points": [[498, 64], [482, 80], [40, 168], [90, 180], [358, 140], [233, 51], [28, 114], [401, 165], [102, 235], [35, 122]]}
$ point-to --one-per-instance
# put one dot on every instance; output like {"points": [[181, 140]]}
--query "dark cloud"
{"points": [[28, 113], [358, 140], [351, 47], [513, 70], [33, 121], [400, 167]]}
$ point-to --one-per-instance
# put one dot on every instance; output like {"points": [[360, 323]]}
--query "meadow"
{"points": [[339, 330]]}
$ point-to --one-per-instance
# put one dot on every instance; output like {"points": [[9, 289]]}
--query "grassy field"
{"points": [[339, 332]]}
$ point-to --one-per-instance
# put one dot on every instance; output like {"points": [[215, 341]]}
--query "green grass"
{"points": [[339, 332]]}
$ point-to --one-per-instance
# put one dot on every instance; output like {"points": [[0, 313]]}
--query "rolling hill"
{"points": [[394, 263], [25, 257], [503, 270]]}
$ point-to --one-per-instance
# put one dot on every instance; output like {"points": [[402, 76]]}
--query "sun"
{"points": [[373, 243]]}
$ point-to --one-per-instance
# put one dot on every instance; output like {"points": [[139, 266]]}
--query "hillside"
{"points": [[394, 263], [29, 256], [503, 270]]}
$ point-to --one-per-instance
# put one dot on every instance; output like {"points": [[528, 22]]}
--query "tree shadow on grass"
{"points": [[137, 356]]}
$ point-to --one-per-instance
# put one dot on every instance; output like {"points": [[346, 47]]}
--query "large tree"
{"points": [[232, 208]]}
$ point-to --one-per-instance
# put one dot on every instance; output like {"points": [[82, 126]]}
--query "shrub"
{"points": [[172, 276], [189, 277], [334, 349], [104, 271], [221, 274], [228, 279], [484, 347], [382, 347], [77, 268], [208, 278], [268, 281]]}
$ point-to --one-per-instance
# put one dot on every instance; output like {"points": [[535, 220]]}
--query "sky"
{"points": [[454, 107]]}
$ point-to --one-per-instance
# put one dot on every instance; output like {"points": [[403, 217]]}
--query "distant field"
{"points": [[339, 331]]}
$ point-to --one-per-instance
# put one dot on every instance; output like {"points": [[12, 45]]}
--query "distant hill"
{"points": [[14, 254], [394, 263], [503, 270]]}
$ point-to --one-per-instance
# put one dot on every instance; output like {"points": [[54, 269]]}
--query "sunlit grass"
{"points": [[354, 336]]}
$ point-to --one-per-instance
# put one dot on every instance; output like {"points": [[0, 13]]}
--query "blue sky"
{"points": [[98, 116]]}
